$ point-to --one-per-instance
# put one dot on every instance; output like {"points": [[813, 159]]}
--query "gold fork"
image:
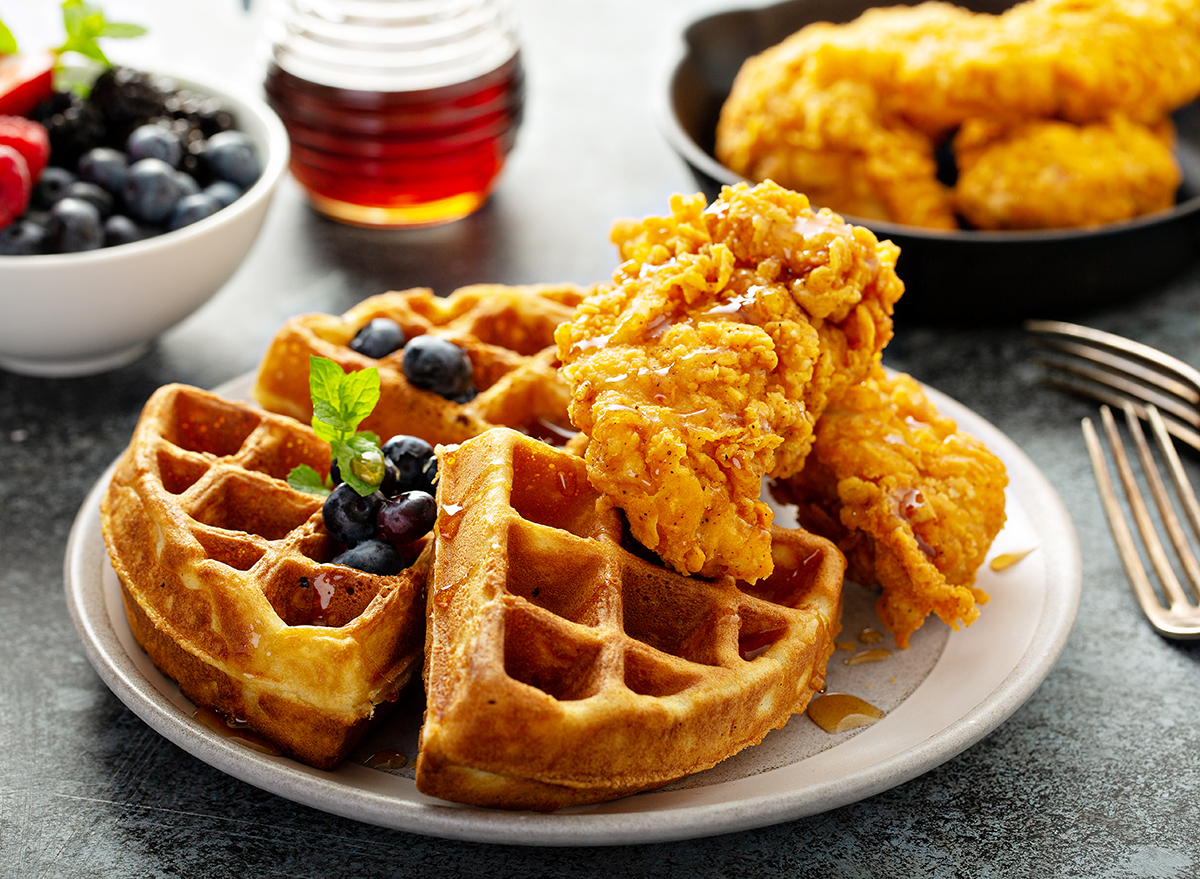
{"points": [[1114, 367]]}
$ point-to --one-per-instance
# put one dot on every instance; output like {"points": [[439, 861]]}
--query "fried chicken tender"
{"points": [[913, 502], [917, 73], [707, 361], [834, 144], [1048, 174]]}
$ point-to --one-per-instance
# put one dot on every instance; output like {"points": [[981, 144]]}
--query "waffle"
{"points": [[565, 665], [508, 333], [226, 582]]}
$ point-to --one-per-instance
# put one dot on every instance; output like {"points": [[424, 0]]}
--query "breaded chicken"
{"points": [[913, 502], [833, 144], [917, 73], [1048, 174], [706, 362]]}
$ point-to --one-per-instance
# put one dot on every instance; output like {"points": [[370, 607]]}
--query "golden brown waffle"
{"points": [[226, 579], [508, 333], [564, 665]]}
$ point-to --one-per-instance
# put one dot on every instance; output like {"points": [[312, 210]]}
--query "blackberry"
{"points": [[56, 103], [127, 98], [73, 131], [207, 115]]}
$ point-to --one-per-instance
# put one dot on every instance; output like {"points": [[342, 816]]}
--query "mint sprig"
{"points": [[85, 24], [340, 402]]}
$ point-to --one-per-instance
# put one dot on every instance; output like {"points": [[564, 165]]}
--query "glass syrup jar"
{"points": [[400, 112]]}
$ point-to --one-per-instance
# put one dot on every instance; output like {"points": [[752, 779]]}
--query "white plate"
{"points": [[943, 694]]}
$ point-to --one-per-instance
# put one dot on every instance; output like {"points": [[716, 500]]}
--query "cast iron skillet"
{"points": [[967, 277]]}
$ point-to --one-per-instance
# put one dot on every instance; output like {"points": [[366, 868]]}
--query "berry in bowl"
{"points": [[123, 212]]}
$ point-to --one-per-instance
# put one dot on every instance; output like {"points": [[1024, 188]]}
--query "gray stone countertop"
{"points": [[1096, 775]]}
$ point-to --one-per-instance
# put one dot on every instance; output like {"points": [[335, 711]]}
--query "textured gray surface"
{"points": [[1096, 776]]}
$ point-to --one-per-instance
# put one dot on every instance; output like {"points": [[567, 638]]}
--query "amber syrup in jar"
{"points": [[424, 147]]}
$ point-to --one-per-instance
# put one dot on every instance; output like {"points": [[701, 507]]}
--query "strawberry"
{"points": [[25, 81], [15, 185], [28, 138]]}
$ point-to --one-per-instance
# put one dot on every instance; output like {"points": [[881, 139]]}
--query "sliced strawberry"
{"points": [[25, 81], [28, 138], [15, 185]]}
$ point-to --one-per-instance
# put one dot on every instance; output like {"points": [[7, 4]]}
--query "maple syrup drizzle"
{"points": [[752, 645], [870, 636], [449, 520], [1008, 559], [386, 760], [874, 655], [839, 712], [235, 730]]}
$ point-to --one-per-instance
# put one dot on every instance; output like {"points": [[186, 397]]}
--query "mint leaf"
{"points": [[122, 31], [8, 43], [360, 463], [85, 23], [340, 402], [331, 435], [306, 479]]}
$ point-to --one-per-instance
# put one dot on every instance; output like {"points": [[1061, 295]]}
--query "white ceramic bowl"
{"points": [[82, 313]]}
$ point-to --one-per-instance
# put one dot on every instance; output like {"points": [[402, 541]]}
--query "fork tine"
{"points": [[1172, 366], [1183, 486], [1170, 520], [1125, 365], [1098, 362], [1122, 536], [1182, 410], [1107, 396], [1141, 515]]}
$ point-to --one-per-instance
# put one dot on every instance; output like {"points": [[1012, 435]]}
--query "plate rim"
{"points": [[1061, 593]]}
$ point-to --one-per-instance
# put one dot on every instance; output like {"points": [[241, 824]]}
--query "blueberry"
{"points": [[350, 517], [415, 460], [119, 229], [91, 192], [372, 557], [187, 184], [406, 518], [22, 237], [433, 364], [224, 192], [230, 156], [105, 167], [390, 485], [379, 338], [73, 225], [50, 186], [151, 190], [192, 208], [154, 142]]}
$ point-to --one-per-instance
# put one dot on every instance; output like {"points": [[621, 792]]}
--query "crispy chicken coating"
{"points": [[1047, 174], [707, 361], [837, 98], [913, 502], [833, 143]]}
